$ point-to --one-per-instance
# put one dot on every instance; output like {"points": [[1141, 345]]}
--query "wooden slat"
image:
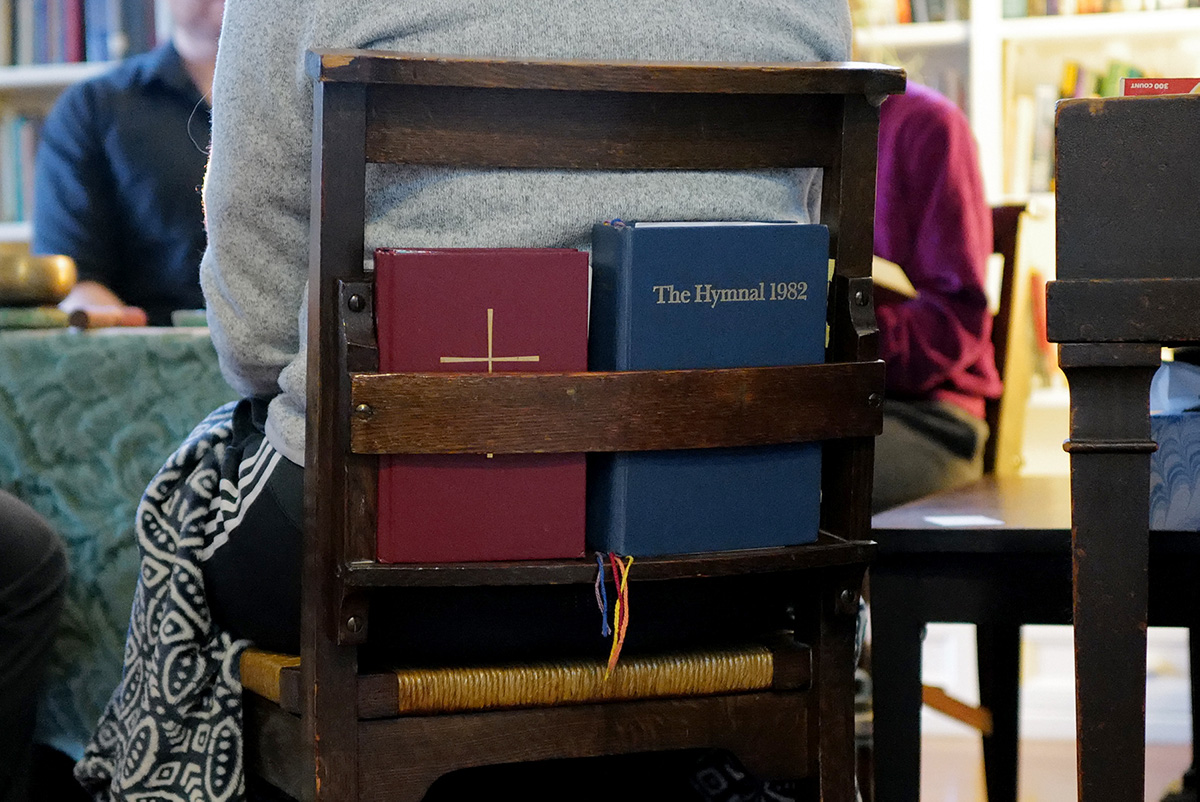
{"points": [[1138, 310], [749, 725], [336, 250], [979, 718], [378, 67], [277, 738], [521, 413], [598, 130], [827, 552]]}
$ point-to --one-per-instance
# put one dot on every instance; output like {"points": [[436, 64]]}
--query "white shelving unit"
{"points": [[996, 59]]}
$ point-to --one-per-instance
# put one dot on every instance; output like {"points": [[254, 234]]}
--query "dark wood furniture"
{"points": [[1128, 282], [898, 771], [997, 576], [1012, 345], [372, 106]]}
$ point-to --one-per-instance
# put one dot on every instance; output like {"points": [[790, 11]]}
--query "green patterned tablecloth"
{"points": [[86, 419]]}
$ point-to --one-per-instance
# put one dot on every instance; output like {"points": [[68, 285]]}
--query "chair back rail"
{"points": [[523, 413]]}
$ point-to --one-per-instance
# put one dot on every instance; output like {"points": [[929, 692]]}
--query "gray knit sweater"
{"points": [[257, 190]]}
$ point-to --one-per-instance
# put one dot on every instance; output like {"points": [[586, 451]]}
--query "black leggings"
{"points": [[253, 580]]}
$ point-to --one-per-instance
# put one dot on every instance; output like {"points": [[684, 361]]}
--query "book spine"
{"points": [[609, 349], [73, 46], [608, 341], [7, 15], [95, 30], [114, 25], [55, 33], [23, 32], [40, 32], [31, 134]]}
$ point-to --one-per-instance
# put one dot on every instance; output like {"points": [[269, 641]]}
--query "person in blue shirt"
{"points": [[119, 169]]}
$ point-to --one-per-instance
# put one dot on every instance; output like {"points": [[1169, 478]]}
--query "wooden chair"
{"points": [[1012, 344], [337, 727], [905, 551]]}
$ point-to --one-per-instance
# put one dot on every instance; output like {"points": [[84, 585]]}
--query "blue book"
{"points": [[95, 29], [706, 295]]}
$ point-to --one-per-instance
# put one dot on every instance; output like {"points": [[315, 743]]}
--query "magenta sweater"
{"points": [[932, 220]]}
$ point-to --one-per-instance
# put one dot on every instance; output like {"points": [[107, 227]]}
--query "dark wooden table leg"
{"points": [[896, 631], [1110, 451], [998, 648]]}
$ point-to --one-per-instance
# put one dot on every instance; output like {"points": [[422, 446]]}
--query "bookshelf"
{"points": [[992, 64], [45, 46]]}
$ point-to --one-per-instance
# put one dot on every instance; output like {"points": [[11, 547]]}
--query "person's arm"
{"points": [[74, 200], [948, 227], [256, 194]]}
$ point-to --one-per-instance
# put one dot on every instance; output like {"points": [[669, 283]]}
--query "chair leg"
{"points": [[896, 682], [998, 647]]}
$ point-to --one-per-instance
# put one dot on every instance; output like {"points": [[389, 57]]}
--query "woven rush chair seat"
{"points": [[418, 691]]}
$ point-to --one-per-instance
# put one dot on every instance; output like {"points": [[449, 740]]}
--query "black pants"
{"points": [[252, 581], [33, 578]]}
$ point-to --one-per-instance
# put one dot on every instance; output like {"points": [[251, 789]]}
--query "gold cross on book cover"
{"points": [[489, 359]]}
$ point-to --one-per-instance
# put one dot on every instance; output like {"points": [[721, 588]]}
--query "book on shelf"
{"points": [[74, 45], [66, 31], [19, 136], [489, 311], [868, 13], [95, 30], [1014, 8], [1136, 86], [1018, 156], [1041, 160], [1111, 80], [706, 295]]}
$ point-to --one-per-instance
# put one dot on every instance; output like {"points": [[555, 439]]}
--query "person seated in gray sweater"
{"points": [[228, 506]]}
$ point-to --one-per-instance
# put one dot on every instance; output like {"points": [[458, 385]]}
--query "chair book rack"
{"points": [[373, 106]]}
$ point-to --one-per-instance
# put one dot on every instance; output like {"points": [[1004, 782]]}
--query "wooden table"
{"points": [[86, 420], [1006, 562], [1128, 282]]}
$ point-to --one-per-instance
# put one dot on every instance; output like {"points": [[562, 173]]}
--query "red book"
{"points": [[488, 311], [1132, 87], [73, 30]]}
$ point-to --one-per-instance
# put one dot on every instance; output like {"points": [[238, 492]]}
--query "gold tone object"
{"points": [[29, 279]]}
